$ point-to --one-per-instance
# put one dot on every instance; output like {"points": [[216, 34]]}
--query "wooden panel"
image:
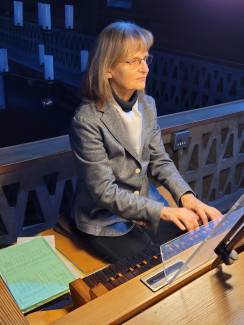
{"points": [[10, 313], [48, 316], [192, 118], [215, 298]]}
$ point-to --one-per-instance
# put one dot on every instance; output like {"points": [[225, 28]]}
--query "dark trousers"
{"points": [[113, 249]]}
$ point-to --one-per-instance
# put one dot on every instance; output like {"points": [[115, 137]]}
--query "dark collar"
{"points": [[126, 106]]}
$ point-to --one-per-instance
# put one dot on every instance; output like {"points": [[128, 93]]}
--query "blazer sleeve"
{"points": [[94, 168], [161, 168]]}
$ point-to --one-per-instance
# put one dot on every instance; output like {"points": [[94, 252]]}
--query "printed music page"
{"points": [[33, 273]]}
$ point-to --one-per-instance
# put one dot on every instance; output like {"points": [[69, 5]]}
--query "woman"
{"points": [[117, 146]]}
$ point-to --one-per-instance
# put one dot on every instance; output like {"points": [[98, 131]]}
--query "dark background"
{"points": [[211, 30]]}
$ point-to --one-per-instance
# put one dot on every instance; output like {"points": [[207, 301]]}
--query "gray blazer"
{"points": [[112, 178]]}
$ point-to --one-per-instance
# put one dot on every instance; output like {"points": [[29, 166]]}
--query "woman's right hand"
{"points": [[183, 218]]}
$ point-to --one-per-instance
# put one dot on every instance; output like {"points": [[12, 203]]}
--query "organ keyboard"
{"points": [[127, 300], [128, 268], [113, 276]]}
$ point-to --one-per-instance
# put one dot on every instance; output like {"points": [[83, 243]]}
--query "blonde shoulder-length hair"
{"points": [[114, 43]]}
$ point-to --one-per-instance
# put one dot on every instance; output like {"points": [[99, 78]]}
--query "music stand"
{"points": [[206, 240], [225, 250]]}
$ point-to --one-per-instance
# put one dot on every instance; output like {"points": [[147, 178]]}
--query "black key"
{"points": [[147, 261], [111, 276], [155, 260], [89, 282], [93, 277], [140, 261], [102, 276], [143, 261], [119, 267], [155, 253], [156, 249], [122, 278], [130, 268], [118, 275], [136, 262]]}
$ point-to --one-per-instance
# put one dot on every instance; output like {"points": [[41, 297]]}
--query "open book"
{"points": [[33, 273]]}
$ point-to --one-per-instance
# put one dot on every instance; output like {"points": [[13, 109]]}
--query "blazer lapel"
{"points": [[112, 120]]}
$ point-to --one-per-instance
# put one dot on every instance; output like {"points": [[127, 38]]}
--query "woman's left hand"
{"points": [[203, 210]]}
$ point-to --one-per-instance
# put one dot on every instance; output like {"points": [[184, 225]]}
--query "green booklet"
{"points": [[33, 273]]}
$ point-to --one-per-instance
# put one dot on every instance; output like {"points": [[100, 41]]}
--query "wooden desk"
{"points": [[214, 298]]}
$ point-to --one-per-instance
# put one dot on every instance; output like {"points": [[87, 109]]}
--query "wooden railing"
{"points": [[38, 179]]}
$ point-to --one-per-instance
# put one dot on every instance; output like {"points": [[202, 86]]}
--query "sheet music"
{"points": [[34, 273], [74, 269]]}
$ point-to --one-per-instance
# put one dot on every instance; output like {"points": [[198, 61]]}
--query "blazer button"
{"points": [[138, 170], [136, 192]]}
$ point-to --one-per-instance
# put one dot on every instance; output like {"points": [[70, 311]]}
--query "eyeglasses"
{"points": [[135, 63]]}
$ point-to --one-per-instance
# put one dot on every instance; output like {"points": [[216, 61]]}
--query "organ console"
{"points": [[120, 283], [116, 294], [132, 298], [208, 236]]}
